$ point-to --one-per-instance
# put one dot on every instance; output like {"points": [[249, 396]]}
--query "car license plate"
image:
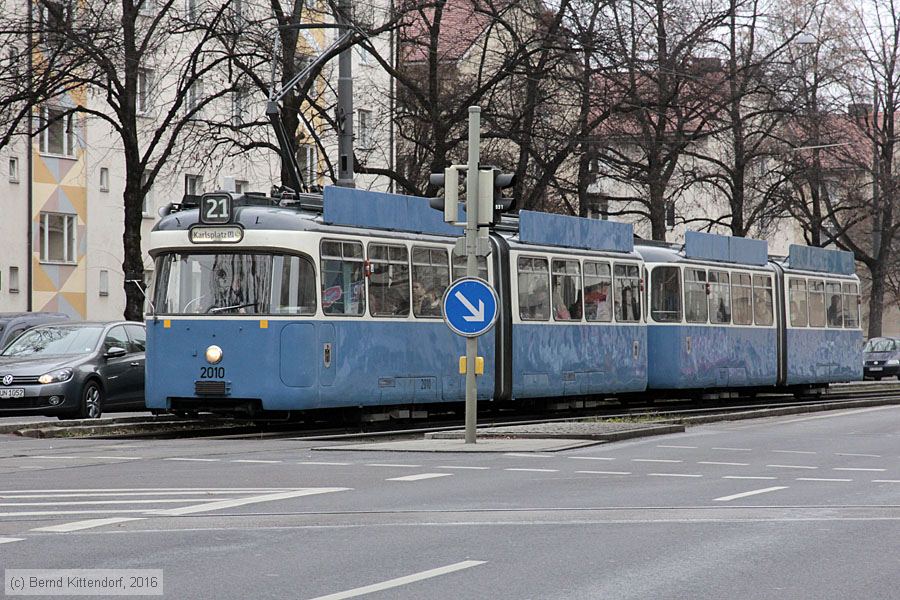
{"points": [[874, 368], [12, 393]]}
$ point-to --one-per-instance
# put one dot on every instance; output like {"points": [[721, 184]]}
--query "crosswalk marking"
{"points": [[87, 524], [420, 477]]}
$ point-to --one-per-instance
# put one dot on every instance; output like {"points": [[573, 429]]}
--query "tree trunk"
{"points": [[876, 298], [658, 210], [133, 265]]}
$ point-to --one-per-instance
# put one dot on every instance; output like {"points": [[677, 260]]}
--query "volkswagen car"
{"points": [[881, 358], [74, 370]]}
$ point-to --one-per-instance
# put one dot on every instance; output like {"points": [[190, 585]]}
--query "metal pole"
{"points": [[345, 102], [472, 262]]}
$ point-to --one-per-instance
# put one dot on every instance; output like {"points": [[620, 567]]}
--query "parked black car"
{"points": [[12, 324], [881, 358], [74, 370]]}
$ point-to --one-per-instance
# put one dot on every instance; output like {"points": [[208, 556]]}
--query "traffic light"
{"points": [[491, 202], [449, 180]]}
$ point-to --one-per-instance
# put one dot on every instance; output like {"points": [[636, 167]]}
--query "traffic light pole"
{"points": [[472, 262]]}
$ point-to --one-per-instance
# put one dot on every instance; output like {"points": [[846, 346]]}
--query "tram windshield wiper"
{"points": [[219, 309]]}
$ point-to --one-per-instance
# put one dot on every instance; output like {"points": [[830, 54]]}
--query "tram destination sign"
{"points": [[470, 307], [211, 234]]}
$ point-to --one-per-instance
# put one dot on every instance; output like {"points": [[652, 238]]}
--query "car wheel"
{"points": [[91, 401]]}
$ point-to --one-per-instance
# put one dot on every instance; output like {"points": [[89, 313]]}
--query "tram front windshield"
{"points": [[234, 283]]}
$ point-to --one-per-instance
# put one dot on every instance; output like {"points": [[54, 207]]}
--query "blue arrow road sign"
{"points": [[470, 307]]}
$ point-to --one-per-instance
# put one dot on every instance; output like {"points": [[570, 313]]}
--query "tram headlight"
{"points": [[213, 355]]}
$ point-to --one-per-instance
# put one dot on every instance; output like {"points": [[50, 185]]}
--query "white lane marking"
{"points": [[4, 540], [121, 494], [53, 513], [31, 467], [838, 414], [220, 505], [655, 460], [683, 447], [87, 524], [535, 470], [324, 464], [726, 464], [60, 457], [592, 457], [392, 583], [672, 475], [262, 462], [605, 472], [420, 477], [750, 493], [851, 454], [527, 455], [886, 481], [746, 477], [858, 469], [467, 468], [393, 465], [194, 459], [735, 449], [820, 479], [103, 502], [791, 467], [118, 457], [794, 452]]}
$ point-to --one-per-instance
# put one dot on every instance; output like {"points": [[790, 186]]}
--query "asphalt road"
{"points": [[791, 507]]}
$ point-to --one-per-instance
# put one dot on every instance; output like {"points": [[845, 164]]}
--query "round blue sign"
{"points": [[470, 306]]}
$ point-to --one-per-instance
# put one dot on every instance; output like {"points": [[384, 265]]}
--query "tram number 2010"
{"points": [[212, 372]]}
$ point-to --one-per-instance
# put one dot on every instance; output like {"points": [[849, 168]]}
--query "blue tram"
{"points": [[335, 302]]}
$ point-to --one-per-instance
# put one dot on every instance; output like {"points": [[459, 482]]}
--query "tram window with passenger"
{"points": [[816, 303], [695, 304], [235, 283], [343, 278], [742, 299], [799, 303], [459, 267], [627, 282], [851, 305], [534, 289], [430, 277], [597, 292], [665, 295], [389, 280], [835, 311], [566, 290], [719, 297], [763, 309]]}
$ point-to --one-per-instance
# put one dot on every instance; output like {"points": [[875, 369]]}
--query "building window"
{"points": [[147, 204], [144, 89], [104, 282], [104, 179], [57, 238], [51, 22], [193, 185], [194, 96], [14, 280], [241, 186], [58, 134], [148, 8], [192, 8], [365, 129], [306, 158], [13, 169], [238, 105]]}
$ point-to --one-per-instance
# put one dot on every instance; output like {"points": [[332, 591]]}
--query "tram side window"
{"points": [[835, 311], [695, 309], [566, 286], [741, 298], [763, 312], [430, 277], [799, 310], [627, 292], [459, 267], [389, 280], [816, 303], [293, 286], [719, 297], [851, 305], [665, 295], [597, 291], [534, 289], [343, 278]]}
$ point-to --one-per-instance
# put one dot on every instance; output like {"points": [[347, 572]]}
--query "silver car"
{"points": [[74, 370]]}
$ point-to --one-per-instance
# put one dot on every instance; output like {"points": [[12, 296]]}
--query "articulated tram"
{"points": [[267, 306]]}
